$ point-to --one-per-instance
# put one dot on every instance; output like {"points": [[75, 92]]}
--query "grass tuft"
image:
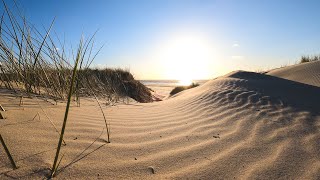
{"points": [[313, 58], [32, 66], [182, 88]]}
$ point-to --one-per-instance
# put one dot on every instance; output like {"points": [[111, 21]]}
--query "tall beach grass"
{"points": [[33, 64]]}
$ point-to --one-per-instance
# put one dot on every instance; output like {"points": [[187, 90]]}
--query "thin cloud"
{"points": [[235, 45]]}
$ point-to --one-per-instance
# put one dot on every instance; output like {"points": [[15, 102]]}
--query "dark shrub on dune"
{"points": [[112, 84], [31, 63], [182, 88], [305, 59], [117, 82]]}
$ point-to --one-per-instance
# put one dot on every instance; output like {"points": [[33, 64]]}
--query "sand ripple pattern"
{"points": [[243, 126]]}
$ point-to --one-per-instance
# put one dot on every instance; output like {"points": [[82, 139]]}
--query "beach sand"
{"points": [[243, 125], [162, 92]]}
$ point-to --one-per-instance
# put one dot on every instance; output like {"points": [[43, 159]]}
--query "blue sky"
{"points": [[154, 38]]}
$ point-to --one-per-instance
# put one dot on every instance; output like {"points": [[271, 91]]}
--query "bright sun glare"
{"points": [[187, 58], [185, 82]]}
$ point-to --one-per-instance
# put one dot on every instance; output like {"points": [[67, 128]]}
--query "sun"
{"points": [[187, 58]]}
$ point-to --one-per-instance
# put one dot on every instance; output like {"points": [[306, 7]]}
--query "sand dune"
{"points": [[308, 73], [243, 125]]}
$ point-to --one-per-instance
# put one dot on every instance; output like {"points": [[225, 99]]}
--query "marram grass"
{"points": [[32, 66], [54, 166]]}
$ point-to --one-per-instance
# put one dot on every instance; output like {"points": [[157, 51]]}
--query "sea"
{"points": [[164, 87], [168, 83]]}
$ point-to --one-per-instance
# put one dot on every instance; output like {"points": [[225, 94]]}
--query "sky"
{"points": [[185, 39]]}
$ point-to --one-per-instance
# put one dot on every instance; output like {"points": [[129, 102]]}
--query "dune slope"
{"points": [[242, 125], [308, 73]]}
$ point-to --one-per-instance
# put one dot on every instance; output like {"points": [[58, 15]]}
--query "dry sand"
{"points": [[243, 125], [308, 73]]}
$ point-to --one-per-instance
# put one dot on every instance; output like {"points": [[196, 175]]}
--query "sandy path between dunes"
{"points": [[243, 126]]}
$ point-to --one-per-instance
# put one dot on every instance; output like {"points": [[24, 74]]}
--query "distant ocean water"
{"points": [[167, 83], [164, 87]]}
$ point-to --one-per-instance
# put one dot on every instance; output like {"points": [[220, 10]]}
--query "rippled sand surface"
{"points": [[243, 125]]}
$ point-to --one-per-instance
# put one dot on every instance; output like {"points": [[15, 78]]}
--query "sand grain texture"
{"points": [[243, 125]]}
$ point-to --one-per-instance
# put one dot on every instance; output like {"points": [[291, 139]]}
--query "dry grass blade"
{"points": [[64, 143], [8, 152], [105, 119], [2, 108], [53, 170]]}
